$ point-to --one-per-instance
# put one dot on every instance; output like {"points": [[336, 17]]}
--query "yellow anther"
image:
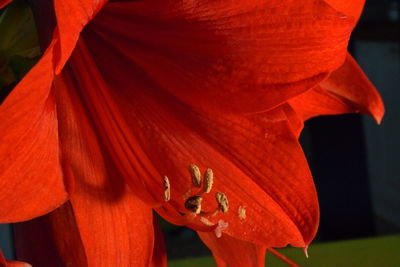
{"points": [[206, 221], [196, 175], [194, 204], [208, 181], [222, 202], [242, 212], [167, 189]]}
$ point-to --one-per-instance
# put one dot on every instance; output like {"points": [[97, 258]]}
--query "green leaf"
{"points": [[19, 47]]}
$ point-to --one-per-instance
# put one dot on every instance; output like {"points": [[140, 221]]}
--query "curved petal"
{"points": [[88, 85], [31, 181], [234, 252], [317, 102], [111, 219], [346, 90], [72, 16], [351, 84], [151, 130], [250, 56]]}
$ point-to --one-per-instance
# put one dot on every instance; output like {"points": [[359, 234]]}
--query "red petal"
{"points": [[86, 83], [249, 56], [318, 101], [350, 8], [346, 90], [72, 16], [31, 181], [150, 130], [234, 252], [111, 220]]}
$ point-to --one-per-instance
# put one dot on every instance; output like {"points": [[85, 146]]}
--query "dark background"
{"points": [[355, 163]]}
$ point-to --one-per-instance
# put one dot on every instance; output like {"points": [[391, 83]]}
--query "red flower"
{"points": [[129, 95]]}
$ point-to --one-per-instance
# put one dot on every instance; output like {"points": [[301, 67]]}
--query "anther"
{"points": [[194, 204], [206, 221], [208, 180], [222, 202], [196, 175], [167, 189], [242, 213]]}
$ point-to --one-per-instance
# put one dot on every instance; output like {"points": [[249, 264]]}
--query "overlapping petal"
{"points": [[104, 208], [171, 136], [250, 56], [31, 181], [72, 16], [347, 90]]}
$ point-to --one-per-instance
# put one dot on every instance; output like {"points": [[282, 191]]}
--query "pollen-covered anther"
{"points": [[167, 189], [194, 204], [208, 181], [242, 212], [206, 221], [196, 175], [222, 200]]}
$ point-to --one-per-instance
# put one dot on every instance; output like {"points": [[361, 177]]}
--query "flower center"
{"points": [[202, 184]]}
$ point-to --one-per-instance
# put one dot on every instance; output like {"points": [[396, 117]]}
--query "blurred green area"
{"points": [[370, 252], [19, 47]]}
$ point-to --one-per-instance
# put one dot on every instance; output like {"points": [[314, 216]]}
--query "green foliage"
{"points": [[372, 252], [19, 47]]}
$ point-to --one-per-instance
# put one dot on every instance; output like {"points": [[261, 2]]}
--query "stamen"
{"points": [[196, 175], [194, 204], [222, 202], [305, 249], [167, 190], [242, 212], [206, 221], [208, 180]]}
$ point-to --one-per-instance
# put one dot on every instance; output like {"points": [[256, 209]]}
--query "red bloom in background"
{"points": [[129, 93]]}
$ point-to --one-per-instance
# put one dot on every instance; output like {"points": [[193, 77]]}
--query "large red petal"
{"points": [[346, 90], [31, 181], [72, 16], [317, 102], [151, 130], [237, 56], [115, 226], [234, 252]]}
